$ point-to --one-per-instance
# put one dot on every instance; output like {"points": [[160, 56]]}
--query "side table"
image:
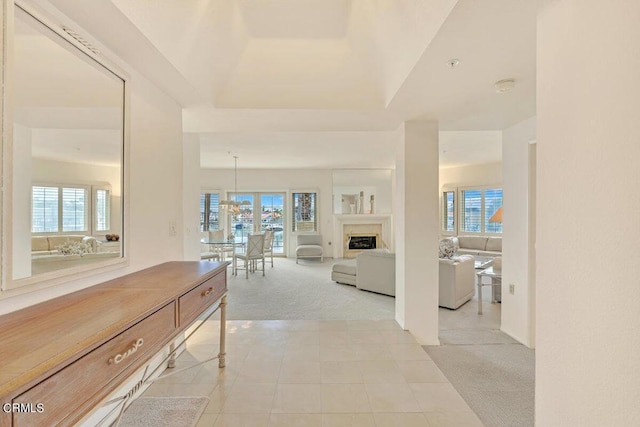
{"points": [[496, 279]]}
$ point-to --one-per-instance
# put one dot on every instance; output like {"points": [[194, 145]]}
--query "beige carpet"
{"points": [[304, 291], [164, 412]]}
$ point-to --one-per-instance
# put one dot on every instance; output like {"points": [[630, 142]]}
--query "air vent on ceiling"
{"points": [[81, 40]]}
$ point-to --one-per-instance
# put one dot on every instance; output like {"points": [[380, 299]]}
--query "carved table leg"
{"points": [[223, 330]]}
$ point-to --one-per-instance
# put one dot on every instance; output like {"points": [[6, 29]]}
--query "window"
{"points": [[74, 209], [477, 206], [492, 202], [304, 212], [44, 209], [448, 211], [67, 209], [209, 211], [102, 209], [56, 209]]}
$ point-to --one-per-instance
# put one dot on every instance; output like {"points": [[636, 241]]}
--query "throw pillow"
{"points": [[447, 249]]}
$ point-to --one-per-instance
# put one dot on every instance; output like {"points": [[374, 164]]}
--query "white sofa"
{"points": [[457, 281], [376, 271], [345, 272], [372, 270], [485, 246], [46, 245]]}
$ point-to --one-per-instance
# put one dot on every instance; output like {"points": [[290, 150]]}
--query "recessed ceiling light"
{"points": [[453, 62], [505, 85]]}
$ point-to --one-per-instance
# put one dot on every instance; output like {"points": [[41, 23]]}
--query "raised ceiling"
{"points": [[299, 75]]}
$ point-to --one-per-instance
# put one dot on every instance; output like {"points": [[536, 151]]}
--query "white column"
{"points": [[588, 216], [417, 231]]}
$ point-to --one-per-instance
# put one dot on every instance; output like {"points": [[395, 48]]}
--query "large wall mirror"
{"points": [[362, 191], [63, 157]]}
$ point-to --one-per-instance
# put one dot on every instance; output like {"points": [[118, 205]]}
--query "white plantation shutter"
{"points": [[477, 206], [305, 217], [209, 211], [102, 210], [44, 209], [492, 202], [471, 211], [74, 209], [448, 211]]}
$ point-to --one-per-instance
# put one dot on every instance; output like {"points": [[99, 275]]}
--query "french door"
{"points": [[264, 211]]}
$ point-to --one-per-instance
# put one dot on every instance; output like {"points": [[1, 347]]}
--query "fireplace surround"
{"points": [[346, 227]]}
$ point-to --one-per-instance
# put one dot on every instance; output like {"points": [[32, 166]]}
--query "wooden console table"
{"points": [[61, 358]]}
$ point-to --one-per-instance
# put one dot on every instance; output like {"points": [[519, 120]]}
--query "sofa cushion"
{"points": [[494, 244], [345, 267], [473, 242], [39, 244]]}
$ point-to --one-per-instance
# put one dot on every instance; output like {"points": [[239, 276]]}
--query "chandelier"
{"points": [[233, 205]]}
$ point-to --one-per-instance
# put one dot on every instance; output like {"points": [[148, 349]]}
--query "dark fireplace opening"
{"points": [[362, 242]]}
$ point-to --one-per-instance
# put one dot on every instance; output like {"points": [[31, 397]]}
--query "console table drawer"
{"points": [[194, 302], [65, 391]]}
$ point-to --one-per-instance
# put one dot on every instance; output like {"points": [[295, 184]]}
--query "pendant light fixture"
{"points": [[234, 205]]}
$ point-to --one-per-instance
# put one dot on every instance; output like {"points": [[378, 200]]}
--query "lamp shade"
{"points": [[497, 216]]}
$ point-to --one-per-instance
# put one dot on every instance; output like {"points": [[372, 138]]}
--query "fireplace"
{"points": [[366, 231], [359, 243], [358, 238]]}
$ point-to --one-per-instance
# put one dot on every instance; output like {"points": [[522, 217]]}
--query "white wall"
{"points": [[588, 292], [484, 174], [191, 196], [156, 223], [281, 180], [516, 246]]}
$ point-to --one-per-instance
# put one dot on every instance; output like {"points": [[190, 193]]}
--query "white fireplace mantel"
{"points": [[340, 220]]}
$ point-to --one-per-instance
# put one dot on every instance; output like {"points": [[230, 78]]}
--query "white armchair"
{"points": [[457, 278], [309, 246], [376, 272]]}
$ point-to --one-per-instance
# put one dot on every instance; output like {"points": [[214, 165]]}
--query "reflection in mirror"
{"points": [[66, 155]]}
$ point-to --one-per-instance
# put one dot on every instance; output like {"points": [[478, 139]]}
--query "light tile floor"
{"points": [[363, 373]]}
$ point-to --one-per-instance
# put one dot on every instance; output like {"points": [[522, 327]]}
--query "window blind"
{"points": [[74, 209], [102, 210], [44, 209]]}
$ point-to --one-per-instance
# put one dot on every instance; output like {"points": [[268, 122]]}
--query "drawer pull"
{"points": [[121, 356], [207, 292]]}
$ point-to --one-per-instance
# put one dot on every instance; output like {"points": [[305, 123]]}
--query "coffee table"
{"points": [[496, 279], [482, 263]]}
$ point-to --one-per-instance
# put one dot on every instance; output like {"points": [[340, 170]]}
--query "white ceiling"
{"points": [[326, 83]]}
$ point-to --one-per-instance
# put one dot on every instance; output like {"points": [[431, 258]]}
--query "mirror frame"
{"points": [[8, 286]]}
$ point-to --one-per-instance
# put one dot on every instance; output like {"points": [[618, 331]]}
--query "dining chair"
{"points": [[268, 245], [254, 253]]}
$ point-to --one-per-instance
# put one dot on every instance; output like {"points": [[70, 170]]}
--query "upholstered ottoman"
{"points": [[344, 272]]}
